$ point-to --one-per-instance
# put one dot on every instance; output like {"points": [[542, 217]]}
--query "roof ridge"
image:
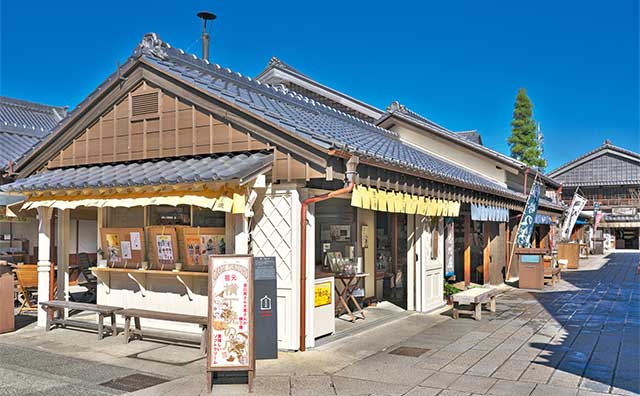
{"points": [[40, 107], [396, 107], [152, 45]]}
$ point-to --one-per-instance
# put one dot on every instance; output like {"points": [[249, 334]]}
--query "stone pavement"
{"points": [[581, 339]]}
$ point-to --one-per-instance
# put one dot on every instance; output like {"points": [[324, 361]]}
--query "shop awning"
{"points": [[489, 213], [397, 202], [543, 219], [234, 203], [10, 199], [241, 167]]}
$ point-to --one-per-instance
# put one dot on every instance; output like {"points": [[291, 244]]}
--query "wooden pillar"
{"points": [[44, 260], [486, 251], [241, 242], [467, 249], [62, 260]]}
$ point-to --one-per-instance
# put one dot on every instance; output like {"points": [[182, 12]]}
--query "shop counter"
{"points": [[571, 253], [180, 292]]}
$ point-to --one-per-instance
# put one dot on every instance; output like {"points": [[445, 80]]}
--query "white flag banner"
{"points": [[577, 204]]}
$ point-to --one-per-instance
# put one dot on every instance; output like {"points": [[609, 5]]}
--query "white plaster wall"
{"points": [[158, 293], [275, 231]]}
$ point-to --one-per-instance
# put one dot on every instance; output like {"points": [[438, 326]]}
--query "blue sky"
{"points": [[459, 63]]}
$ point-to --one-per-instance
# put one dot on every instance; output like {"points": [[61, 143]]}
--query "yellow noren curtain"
{"points": [[398, 202]]}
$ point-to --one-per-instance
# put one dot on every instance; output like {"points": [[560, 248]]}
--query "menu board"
{"points": [[231, 324], [197, 243], [123, 247], [163, 247]]}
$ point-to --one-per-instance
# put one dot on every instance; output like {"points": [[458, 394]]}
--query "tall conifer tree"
{"points": [[524, 140]]}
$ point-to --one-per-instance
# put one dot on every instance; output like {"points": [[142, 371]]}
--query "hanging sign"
{"points": [[577, 204], [525, 230], [230, 321]]}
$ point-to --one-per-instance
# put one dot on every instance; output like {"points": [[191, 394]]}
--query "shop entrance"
{"points": [[391, 258], [627, 238]]}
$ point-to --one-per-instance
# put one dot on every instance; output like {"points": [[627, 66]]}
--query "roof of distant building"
{"points": [[606, 165], [22, 125]]}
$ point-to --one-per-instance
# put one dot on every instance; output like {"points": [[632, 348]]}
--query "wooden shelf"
{"points": [[148, 272]]}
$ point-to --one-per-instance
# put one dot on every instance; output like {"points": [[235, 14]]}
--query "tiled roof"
{"points": [[145, 173], [306, 118], [472, 136], [606, 165], [402, 112], [610, 218], [22, 125]]}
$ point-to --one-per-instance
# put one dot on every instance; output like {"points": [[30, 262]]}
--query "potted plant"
{"points": [[449, 291]]}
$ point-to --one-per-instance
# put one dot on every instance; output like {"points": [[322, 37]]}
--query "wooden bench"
{"points": [[102, 310], [136, 314], [474, 297]]}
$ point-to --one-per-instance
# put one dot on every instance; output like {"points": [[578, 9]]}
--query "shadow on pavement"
{"points": [[600, 314]]}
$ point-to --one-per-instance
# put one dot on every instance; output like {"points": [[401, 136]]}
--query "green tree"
{"points": [[524, 142]]}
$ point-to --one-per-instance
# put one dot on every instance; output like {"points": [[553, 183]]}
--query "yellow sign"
{"points": [[322, 292]]}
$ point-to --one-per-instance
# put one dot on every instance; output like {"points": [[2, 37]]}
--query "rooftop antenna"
{"points": [[206, 16]]}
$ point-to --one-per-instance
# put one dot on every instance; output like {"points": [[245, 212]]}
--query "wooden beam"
{"points": [[467, 249], [210, 133], [486, 252], [176, 124], [160, 126], [129, 127], [193, 130]]}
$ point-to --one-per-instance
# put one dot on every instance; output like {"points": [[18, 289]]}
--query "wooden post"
{"points": [[467, 249], [486, 252], [44, 263]]}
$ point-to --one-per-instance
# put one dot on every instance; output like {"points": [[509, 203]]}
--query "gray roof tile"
{"points": [[305, 117], [22, 125], [199, 169]]}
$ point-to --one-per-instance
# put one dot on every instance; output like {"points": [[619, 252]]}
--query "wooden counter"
{"points": [[180, 292], [150, 272], [571, 253]]}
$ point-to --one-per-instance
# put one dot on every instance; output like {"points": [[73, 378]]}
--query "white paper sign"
{"points": [[135, 241], [126, 250]]}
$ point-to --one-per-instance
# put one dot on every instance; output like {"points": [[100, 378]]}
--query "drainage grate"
{"points": [[134, 382], [409, 351]]}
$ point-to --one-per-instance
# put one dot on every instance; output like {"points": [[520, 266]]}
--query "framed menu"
{"points": [[163, 247], [123, 247], [230, 320], [196, 244]]}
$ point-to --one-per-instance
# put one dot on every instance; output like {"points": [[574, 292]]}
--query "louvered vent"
{"points": [[144, 105]]}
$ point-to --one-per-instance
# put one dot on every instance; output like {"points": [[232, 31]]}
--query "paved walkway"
{"points": [[583, 338]]}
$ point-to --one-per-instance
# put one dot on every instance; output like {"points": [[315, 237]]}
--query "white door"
{"points": [[431, 259]]}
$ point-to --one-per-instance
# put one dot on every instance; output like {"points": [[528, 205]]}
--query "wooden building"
{"points": [[171, 142], [609, 176]]}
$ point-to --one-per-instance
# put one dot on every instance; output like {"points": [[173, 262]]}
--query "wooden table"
{"points": [[350, 283]]}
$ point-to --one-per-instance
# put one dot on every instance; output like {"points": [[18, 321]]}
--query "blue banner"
{"points": [[523, 237]]}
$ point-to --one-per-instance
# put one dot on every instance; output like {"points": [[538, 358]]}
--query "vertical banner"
{"points": [[577, 204], [597, 216], [230, 322], [449, 248], [525, 230]]}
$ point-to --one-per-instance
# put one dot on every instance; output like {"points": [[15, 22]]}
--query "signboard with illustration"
{"points": [[230, 320]]}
